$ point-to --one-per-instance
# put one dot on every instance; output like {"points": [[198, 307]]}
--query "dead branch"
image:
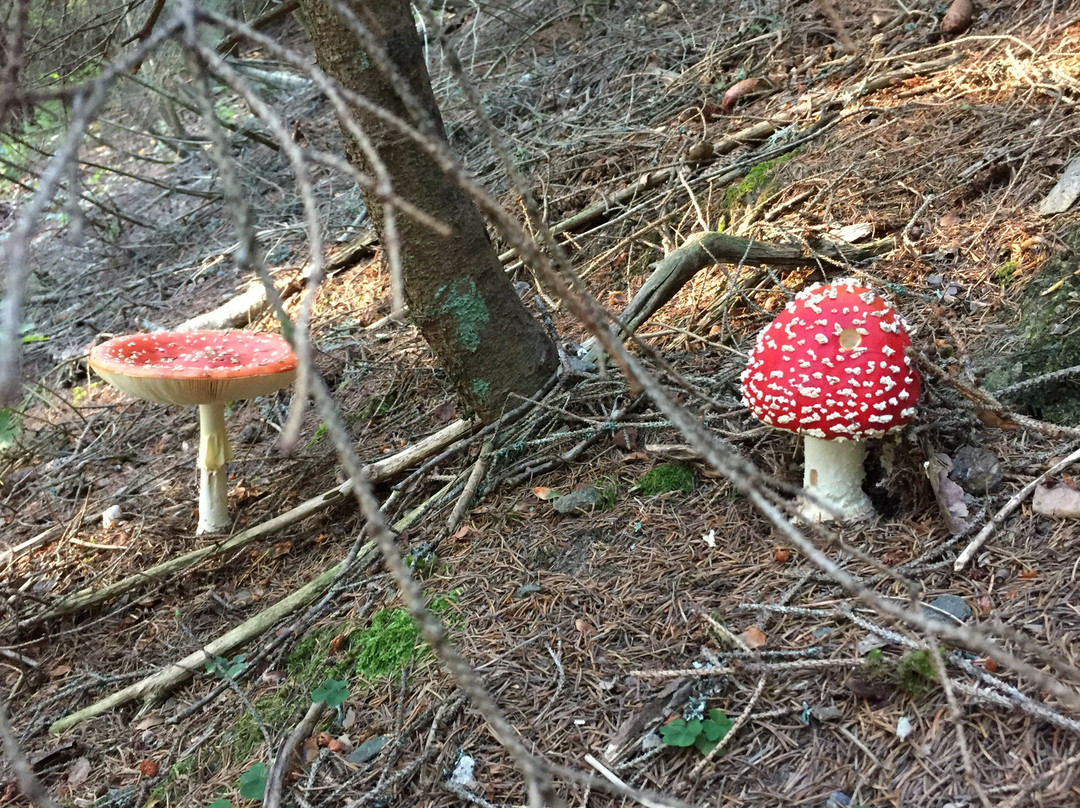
{"points": [[376, 472], [707, 249], [153, 687]]}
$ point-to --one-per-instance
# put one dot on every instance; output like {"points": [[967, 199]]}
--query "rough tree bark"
{"points": [[464, 304]]}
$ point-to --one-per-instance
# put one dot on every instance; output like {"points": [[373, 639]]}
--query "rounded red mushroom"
{"points": [[206, 368], [832, 367]]}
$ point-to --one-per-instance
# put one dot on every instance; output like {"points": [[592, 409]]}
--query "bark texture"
{"points": [[457, 292]]}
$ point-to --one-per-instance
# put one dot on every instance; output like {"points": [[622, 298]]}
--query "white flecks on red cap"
{"points": [[195, 367], [867, 389]]}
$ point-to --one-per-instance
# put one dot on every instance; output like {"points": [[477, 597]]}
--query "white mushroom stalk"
{"points": [[214, 453], [833, 474], [832, 367], [204, 368]]}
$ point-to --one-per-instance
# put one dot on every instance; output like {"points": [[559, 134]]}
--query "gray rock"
{"points": [[367, 750], [580, 501], [951, 605], [975, 469]]}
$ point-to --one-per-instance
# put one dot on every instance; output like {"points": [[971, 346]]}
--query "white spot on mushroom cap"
{"points": [[796, 383]]}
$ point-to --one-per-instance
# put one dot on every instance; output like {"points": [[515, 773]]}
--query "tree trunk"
{"points": [[457, 292]]}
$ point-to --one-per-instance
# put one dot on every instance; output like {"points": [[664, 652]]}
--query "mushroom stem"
{"points": [[214, 453], [833, 473]]}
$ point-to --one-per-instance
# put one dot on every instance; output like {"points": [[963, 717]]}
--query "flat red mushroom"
{"points": [[832, 367], [207, 368]]}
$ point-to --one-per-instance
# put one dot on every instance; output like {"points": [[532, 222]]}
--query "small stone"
{"points": [[975, 469], [827, 713], [580, 501], [367, 750], [951, 605], [527, 590], [250, 433]]}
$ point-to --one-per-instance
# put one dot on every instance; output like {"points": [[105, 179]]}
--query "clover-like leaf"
{"points": [[331, 691], [253, 782], [713, 729], [680, 732]]}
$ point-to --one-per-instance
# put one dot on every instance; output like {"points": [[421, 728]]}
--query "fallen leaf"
{"points": [[957, 18], [148, 768], [625, 438], [337, 643], [753, 637], [737, 91], [545, 493], [461, 532], [990, 665], [616, 299], [1029, 575], [79, 771], [634, 457], [952, 218], [584, 626], [146, 722], [59, 670], [949, 495], [324, 739], [280, 549], [445, 411], [1058, 502], [894, 558]]}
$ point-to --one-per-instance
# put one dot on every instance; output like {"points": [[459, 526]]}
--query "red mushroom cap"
{"points": [[832, 365], [195, 367]]}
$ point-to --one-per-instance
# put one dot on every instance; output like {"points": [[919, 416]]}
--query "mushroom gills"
{"points": [[833, 475]]}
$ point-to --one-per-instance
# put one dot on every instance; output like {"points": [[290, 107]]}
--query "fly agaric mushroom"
{"points": [[832, 368], [208, 368]]}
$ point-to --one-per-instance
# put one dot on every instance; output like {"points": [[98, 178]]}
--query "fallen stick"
{"points": [[165, 680], [377, 472], [1010, 506], [708, 249]]}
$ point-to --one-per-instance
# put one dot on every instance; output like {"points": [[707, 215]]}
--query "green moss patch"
{"points": [[667, 477]]}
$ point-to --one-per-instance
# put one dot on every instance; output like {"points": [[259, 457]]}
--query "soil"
{"points": [[591, 630]]}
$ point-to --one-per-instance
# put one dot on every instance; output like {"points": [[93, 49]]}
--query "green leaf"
{"points": [[253, 782], [9, 427], [224, 668], [713, 729], [332, 691], [680, 732], [220, 804]]}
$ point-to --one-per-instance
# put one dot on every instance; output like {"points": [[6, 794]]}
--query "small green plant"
{"points": [[252, 784], [915, 673], [607, 490], [181, 768], [332, 691], [224, 668], [387, 644], [10, 426], [320, 432], [220, 804], [756, 179], [702, 734], [27, 335], [1004, 273], [667, 477]]}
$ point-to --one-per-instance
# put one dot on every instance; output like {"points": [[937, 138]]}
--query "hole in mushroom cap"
{"points": [[850, 339]]}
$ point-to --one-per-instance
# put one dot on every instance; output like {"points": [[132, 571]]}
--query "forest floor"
{"points": [[591, 628]]}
